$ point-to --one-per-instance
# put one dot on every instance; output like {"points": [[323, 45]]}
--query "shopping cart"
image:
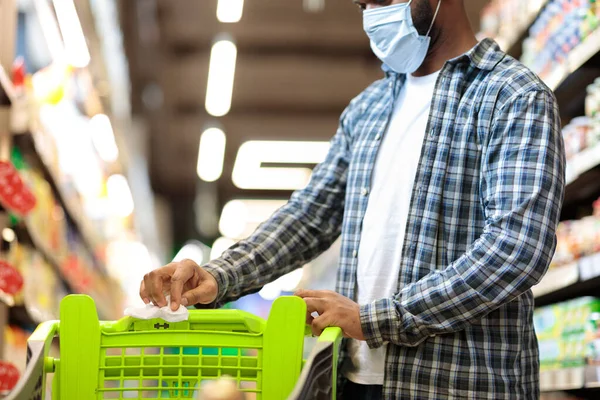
{"points": [[141, 359]]}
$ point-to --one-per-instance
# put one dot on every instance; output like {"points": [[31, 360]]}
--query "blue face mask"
{"points": [[394, 39]]}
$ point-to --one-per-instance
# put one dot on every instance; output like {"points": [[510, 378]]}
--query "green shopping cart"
{"points": [[141, 359]]}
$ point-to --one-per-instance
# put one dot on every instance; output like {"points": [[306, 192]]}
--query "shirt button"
{"points": [[391, 84], [378, 137], [364, 191], [355, 253], [432, 134]]}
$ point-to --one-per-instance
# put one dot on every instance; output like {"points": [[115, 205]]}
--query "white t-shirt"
{"points": [[384, 224]]}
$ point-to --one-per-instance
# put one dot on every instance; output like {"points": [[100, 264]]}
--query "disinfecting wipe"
{"points": [[150, 311]]}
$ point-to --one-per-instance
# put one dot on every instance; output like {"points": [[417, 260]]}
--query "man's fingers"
{"points": [[320, 294], [183, 273], [205, 293], [309, 318], [315, 304], [144, 293], [319, 324], [307, 293], [154, 285]]}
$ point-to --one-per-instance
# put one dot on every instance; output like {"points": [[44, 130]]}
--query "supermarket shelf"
{"points": [[20, 316], [7, 90], [27, 142], [582, 162], [569, 281], [512, 36], [575, 60], [43, 249], [557, 279], [586, 377]]}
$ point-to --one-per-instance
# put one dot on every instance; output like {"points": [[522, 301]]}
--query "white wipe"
{"points": [[150, 311]]}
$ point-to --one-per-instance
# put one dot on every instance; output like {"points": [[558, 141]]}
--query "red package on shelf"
{"points": [[11, 280], [9, 376], [14, 194]]}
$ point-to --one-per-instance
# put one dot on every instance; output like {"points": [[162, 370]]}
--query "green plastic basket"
{"points": [[140, 359]]}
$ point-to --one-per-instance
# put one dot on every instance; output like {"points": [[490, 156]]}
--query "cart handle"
{"points": [[38, 363], [225, 320]]}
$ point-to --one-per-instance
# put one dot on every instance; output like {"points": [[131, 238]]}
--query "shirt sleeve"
{"points": [[297, 233], [522, 189]]}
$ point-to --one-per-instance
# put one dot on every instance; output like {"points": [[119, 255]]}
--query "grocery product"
{"points": [[501, 16], [578, 238], [561, 26], [567, 333]]}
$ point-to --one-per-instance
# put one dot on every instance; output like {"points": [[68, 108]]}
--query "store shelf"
{"points": [[32, 146], [575, 60], [557, 279], [577, 279], [7, 91], [509, 38], [586, 377], [582, 162], [44, 250]]}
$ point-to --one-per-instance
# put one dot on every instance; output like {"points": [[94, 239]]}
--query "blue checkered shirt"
{"points": [[480, 232]]}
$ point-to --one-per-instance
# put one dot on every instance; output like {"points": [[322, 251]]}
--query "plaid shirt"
{"points": [[480, 231]]}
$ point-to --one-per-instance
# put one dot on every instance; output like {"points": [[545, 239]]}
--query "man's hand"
{"points": [[334, 310], [187, 283]]}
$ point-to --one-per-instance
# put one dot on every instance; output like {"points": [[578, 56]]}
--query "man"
{"points": [[445, 181]]}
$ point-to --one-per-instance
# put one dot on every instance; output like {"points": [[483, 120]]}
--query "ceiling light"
{"points": [[119, 196], [192, 250], [77, 53], [8, 235], [240, 218], [249, 172], [103, 138], [314, 6], [219, 246], [50, 29], [211, 154], [221, 75], [230, 11]]}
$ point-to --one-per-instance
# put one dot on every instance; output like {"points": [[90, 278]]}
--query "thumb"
{"points": [[205, 293]]}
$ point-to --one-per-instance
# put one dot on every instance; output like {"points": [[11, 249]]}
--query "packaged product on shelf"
{"points": [[15, 346], [561, 26], [566, 333], [507, 15], [42, 288], [577, 239]]}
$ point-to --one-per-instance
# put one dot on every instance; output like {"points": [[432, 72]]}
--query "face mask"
{"points": [[394, 39]]}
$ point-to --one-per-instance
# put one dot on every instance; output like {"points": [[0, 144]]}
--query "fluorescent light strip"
{"points": [[192, 250], [103, 138], [221, 75], [77, 53], [248, 172], [241, 217], [50, 30], [119, 196], [230, 11], [219, 246], [211, 154]]}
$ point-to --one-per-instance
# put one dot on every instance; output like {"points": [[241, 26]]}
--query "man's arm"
{"points": [[522, 192], [297, 233]]}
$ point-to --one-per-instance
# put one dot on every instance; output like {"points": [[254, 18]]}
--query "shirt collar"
{"points": [[485, 55]]}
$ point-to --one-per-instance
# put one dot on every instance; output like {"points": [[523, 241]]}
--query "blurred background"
{"points": [[136, 132]]}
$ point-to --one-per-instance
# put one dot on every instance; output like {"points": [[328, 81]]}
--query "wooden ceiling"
{"points": [[295, 73]]}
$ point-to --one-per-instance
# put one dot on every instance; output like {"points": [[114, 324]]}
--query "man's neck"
{"points": [[450, 42]]}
